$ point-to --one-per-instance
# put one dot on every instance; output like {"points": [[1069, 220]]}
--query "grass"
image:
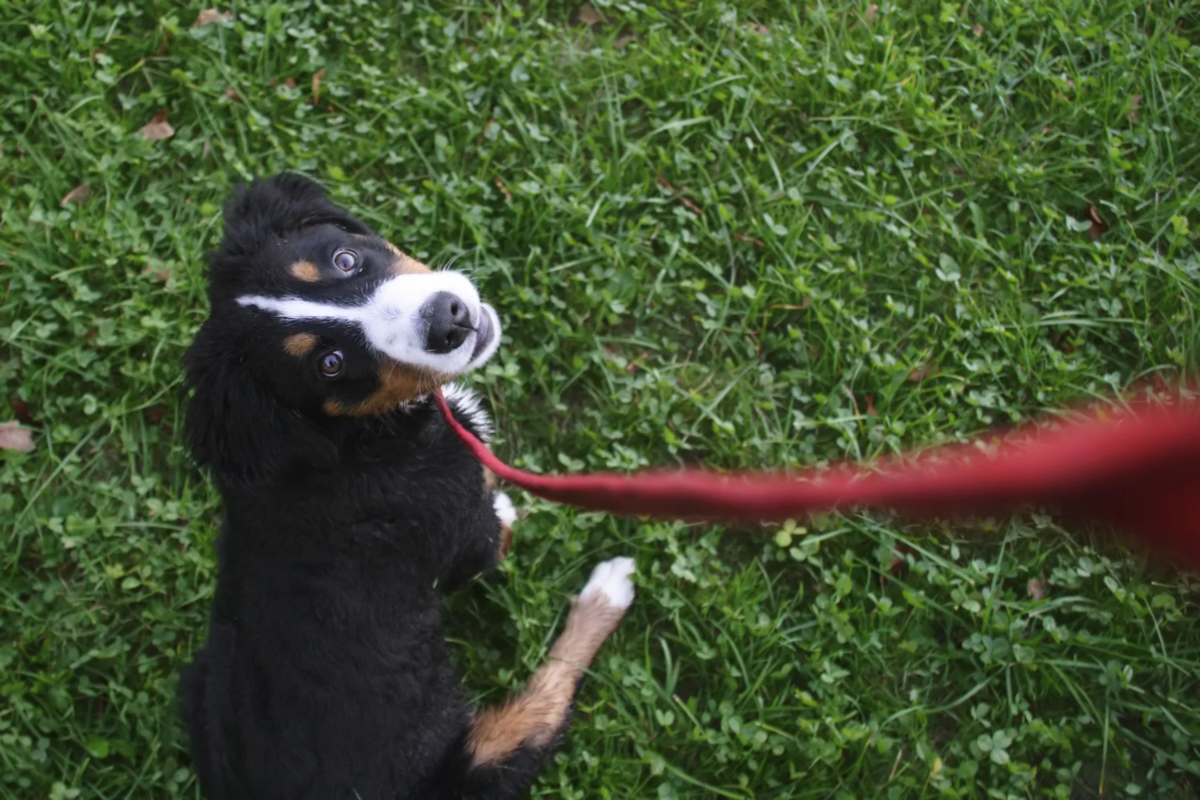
{"points": [[747, 235]]}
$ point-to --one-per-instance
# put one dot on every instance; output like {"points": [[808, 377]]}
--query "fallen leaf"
{"points": [[1036, 589], [316, 85], [78, 195], [1135, 104], [624, 41], [1098, 225], [157, 128], [14, 437], [21, 410], [156, 271], [588, 15], [872, 13], [666, 184], [632, 366], [210, 15], [500, 185], [924, 371]]}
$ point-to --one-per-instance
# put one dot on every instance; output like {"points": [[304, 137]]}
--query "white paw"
{"points": [[505, 510], [612, 579]]}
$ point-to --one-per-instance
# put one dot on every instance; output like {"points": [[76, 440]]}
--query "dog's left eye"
{"points": [[332, 363], [345, 260]]}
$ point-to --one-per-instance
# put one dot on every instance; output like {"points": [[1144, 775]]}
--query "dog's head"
{"points": [[316, 317]]}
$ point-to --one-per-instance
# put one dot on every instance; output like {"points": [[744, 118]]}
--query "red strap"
{"points": [[1140, 472]]}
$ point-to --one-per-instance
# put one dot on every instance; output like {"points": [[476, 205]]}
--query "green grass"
{"points": [[747, 235]]}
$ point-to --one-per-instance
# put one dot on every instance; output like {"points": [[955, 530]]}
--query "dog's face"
{"points": [[361, 325], [317, 316]]}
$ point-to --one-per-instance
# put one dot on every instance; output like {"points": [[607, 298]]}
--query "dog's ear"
{"points": [[236, 426], [278, 206]]}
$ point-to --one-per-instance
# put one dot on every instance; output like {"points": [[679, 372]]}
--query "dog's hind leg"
{"points": [[507, 745]]}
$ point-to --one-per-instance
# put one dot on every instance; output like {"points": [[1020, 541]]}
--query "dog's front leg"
{"points": [[506, 512], [535, 717]]}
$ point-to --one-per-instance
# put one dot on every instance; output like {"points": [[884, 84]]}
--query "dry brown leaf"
{"points": [[1098, 224], [210, 15], [666, 184], [504, 191], [624, 41], [1135, 103], [21, 410], [316, 85], [78, 195], [588, 15], [924, 371], [156, 271], [871, 14], [14, 437], [1036, 589], [157, 128]]}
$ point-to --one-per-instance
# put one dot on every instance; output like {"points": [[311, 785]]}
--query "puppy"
{"points": [[350, 509]]}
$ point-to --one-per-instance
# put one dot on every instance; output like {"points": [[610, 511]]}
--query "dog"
{"points": [[350, 510]]}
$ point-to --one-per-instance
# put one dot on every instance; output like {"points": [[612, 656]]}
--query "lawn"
{"points": [[745, 234]]}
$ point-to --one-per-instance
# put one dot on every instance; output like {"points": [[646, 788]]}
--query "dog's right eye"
{"points": [[332, 363], [345, 260]]}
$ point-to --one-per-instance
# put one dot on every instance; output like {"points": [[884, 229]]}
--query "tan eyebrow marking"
{"points": [[305, 271], [404, 263], [300, 344]]}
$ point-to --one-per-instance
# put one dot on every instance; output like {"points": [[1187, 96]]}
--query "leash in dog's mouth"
{"points": [[1139, 472]]}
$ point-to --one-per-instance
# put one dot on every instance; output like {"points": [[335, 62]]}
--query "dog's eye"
{"points": [[345, 260], [332, 363]]}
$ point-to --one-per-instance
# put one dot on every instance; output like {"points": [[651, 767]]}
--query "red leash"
{"points": [[1139, 472]]}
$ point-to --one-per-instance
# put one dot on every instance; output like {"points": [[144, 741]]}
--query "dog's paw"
{"points": [[506, 512], [611, 578]]}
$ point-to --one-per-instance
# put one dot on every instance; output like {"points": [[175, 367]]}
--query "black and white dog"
{"points": [[351, 508]]}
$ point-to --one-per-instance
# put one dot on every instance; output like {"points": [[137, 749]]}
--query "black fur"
{"points": [[325, 674]]}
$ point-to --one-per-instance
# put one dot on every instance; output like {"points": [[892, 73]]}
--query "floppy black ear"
{"points": [[236, 425]]}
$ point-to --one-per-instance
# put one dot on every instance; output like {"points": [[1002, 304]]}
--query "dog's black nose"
{"points": [[448, 322]]}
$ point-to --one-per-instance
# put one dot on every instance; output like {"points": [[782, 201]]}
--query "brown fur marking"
{"points": [[300, 344], [305, 271], [404, 263], [506, 538], [397, 384], [536, 714]]}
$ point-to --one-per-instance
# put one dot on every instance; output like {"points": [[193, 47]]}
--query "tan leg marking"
{"points": [[506, 538], [536, 714], [300, 344], [404, 263], [305, 271]]}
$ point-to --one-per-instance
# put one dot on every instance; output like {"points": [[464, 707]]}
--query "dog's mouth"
{"points": [[485, 335]]}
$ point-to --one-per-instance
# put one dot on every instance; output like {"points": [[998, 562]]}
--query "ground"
{"points": [[745, 234]]}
